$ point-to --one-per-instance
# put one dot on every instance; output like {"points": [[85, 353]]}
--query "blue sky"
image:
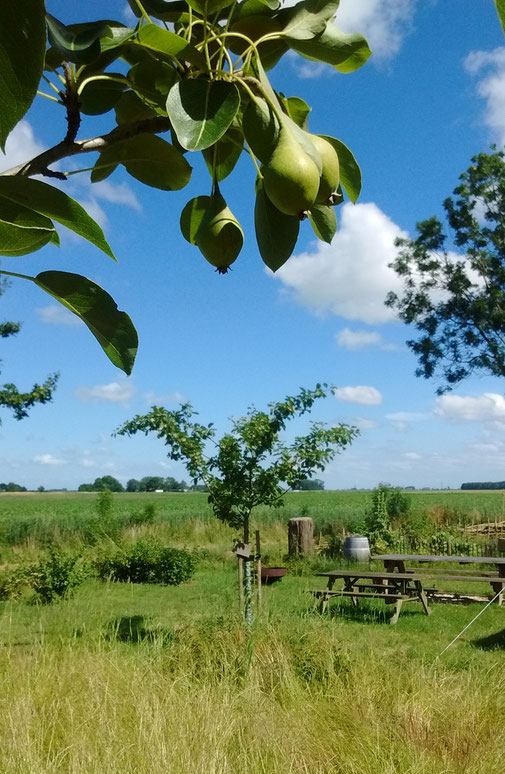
{"points": [[431, 96]]}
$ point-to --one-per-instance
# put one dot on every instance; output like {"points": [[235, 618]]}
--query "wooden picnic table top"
{"points": [[399, 576], [435, 558]]}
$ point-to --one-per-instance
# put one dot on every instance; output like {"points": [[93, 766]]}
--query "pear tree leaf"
{"points": [[323, 221], [345, 52], [276, 233], [112, 328], [130, 108], [298, 110], [147, 158], [500, 9], [55, 204], [22, 54], [222, 157], [192, 216], [201, 111], [167, 10], [100, 96], [209, 7], [350, 173], [152, 80], [22, 230], [261, 128], [79, 43], [306, 19], [165, 42]]}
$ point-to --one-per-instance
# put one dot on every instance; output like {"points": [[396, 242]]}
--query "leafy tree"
{"points": [[12, 487], [202, 83], [457, 301], [10, 397], [151, 483], [101, 484], [309, 484], [132, 485]]}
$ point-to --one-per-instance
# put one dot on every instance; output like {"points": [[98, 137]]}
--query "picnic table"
{"points": [[398, 563]]}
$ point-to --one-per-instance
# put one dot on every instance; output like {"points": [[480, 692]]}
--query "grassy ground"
{"points": [[139, 679]]}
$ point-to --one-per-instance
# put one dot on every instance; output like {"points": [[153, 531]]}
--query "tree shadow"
{"points": [[365, 612], [494, 641], [136, 629]]}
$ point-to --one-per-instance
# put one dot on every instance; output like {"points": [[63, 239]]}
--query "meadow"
{"points": [[137, 678]]}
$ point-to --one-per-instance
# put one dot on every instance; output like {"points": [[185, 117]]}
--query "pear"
{"points": [[219, 236], [290, 177], [330, 172]]}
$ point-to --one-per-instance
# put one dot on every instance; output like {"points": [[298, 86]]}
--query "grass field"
{"points": [[143, 679]]}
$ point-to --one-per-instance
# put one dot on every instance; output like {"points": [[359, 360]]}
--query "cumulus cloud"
{"points": [[368, 396], [402, 419], [489, 407], [158, 399], [490, 65], [350, 277], [117, 193], [349, 339], [21, 146], [55, 314], [115, 392], [384, 23], [48, 459]]}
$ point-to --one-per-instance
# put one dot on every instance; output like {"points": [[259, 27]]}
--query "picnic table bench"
{"points": [[397, 563]]}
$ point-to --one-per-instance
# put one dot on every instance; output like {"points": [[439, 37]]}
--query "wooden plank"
{"points": [[437, 558], [437, 570]]}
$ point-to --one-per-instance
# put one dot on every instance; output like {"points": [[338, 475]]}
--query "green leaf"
{"points": [[500, 9], [79, 43], [167, 10], [152, 80], [23, 231], [298, 110], [350, 173], [50, 201], [112, 328], [165, 42], [261, 128], [100, 96], [22, 52], [224, 154], [149, 159], [345, 52], [130, 108], [323, 221], [209, 7], [276, 233], [201, 111], [192, 216], [106, 163], [306, 19]]}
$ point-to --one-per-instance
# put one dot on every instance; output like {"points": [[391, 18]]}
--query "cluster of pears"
{"points": [[293, 180], [208, 223]]}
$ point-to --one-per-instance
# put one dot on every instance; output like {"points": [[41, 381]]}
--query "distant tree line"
{"points": [[484, 485], [146, 484], [309, 484], [11, 487]]}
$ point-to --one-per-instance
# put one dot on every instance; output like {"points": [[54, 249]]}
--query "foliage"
{"points": [[12, 487], [100, 484], [457, 302], [10, 397], [55, 575], [309, 484], [483, 485], [146, 561], [251, 465], [203, 80], [387, 505]]}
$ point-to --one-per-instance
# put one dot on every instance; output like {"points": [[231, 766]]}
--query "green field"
{"points": [[141, 679]]}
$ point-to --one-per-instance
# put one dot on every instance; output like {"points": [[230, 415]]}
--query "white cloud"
{"points": [[491, 87], [56, 314], [489, 407], [86, 462], [350, 277], [21, 146], [368, 396], [115, 392], [412, 456], [48, 459], [384, 23], [348, 339], [363, 423], [401, 420], [155, 399], [117, 193]]}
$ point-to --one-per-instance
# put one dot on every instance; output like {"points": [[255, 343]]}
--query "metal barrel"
{"points": [[357, 547]]}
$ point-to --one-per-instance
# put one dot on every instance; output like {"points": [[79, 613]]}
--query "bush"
{"points": [[146, 561], [12, 584], [55, 575]]}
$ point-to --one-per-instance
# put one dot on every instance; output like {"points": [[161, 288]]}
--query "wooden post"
{"points": [[241, 585], [300, 537], [258, 568]]}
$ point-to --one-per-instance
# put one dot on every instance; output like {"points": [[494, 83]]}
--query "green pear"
{"points": [[219, 236], [290, 177], [330, 172]]}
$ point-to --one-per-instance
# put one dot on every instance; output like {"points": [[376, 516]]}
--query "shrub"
{"points": [[146, 561], [12, 583], [55, 575]]}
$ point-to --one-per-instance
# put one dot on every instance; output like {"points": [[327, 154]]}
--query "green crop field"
{"points": [[133, 678]]}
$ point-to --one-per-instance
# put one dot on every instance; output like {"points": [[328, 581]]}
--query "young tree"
{"points": [[10, 397], [250, 465], [197, 75], [456, 301]]}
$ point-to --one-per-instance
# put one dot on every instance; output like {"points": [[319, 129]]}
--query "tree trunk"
{"points": [[300, 537]]}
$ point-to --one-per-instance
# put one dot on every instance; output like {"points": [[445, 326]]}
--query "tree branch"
{"points": [[40, 164]]}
